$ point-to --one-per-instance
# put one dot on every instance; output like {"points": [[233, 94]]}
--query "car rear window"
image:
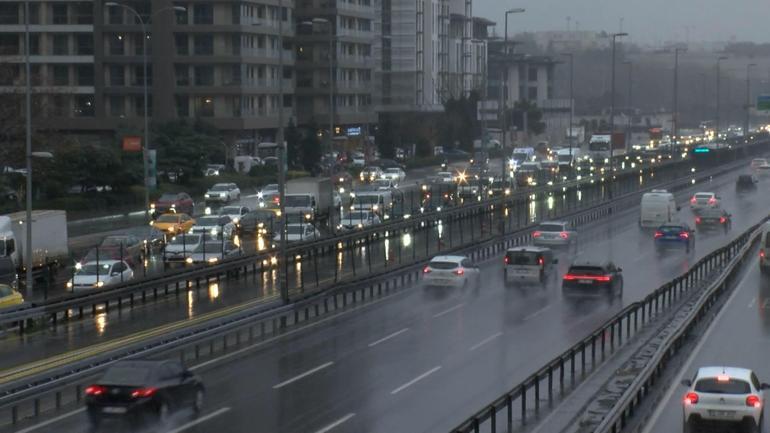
{"points": [[586, 270], [706, 196], [522, 258], [671, 230], [713, 386], [167, 197], [126, 376], [443, 265], [550, 227]]}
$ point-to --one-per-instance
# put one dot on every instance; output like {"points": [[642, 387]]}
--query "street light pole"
{"points": [[675, 114], [283, 265], [719, 77], [504, 90], [28, 122], [571, 101], [748, 99], [628, 102], [615, 36]]}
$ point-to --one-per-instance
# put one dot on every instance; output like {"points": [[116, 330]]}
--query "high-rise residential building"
{"points": [[214, 60]]}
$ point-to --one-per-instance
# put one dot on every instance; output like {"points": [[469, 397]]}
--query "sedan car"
{"points": [[218, 226], [173, 223], [298, 232], [451, 271], [674, 236], [173, 202], [358, 220], [713, 219], [763, 171], [758, 162], [593, 279], [142, 392], [222, 193], [179, 247], [722, 397], [95, 275], [553, 233], [234, 212], [703, 200], [212, 252], [370, 174], [394, 174], [384, 185]]}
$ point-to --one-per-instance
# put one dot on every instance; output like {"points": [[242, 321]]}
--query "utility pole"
{"points": [[615, 36], [283, 265], [28, 123], [748, 99], [504, 89], [675, 114], [571, 99], [628, 103], [719, 76]]}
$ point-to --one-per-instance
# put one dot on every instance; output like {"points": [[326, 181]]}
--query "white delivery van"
{"points": [[658, 208]]}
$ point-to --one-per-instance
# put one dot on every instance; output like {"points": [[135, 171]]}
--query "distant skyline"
{"points": [[647, 22]]}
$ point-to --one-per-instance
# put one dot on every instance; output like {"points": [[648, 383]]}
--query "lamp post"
{"points": [[719, 77], [571, 100], [283, 265], [675, 114], [628, 101], [504, 89], [331, 73], [615, 36], [748, 99], [146, 140]]}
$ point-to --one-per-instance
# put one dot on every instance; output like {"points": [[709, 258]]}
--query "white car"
{"points": [[213, 252], [528, 265], [553, 233], [180, 246], [358, 220], [445, 176], [383, 184], [394, 174], [222, 193], [763, 171], [214, 225], [758, 162], [299, 232], [451, 271], [702, 200], [95, 275], [234, 212], [723, 395], [358, 160]]}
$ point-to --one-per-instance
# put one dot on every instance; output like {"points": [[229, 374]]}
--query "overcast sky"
{"points": [[647, 21]]}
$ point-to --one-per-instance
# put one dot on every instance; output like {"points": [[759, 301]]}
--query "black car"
{"points": [[593, 279], [746, 183], [142, 392], [260, 221], [713, 219]]}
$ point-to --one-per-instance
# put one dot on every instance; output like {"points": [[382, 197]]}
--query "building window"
{"points": [[9, 13], [34, 44], [182, 106], [84, 105], [532, 73], [9, 44], [203, 14], [236, 40], [203, 45], [60, 106], [60, 45], [59, 11], [204, 106], [117, 45], [532, 95], [85, 44], [204, 75], [9, 74], [139, 45], [84, 13], [139, 75], [181, 17], [115, 15], [117, 75], [236, 10], [117, 106], [182, 75], [34, 13], [235, 75], [182, 45], [61, 75], [85, 75]]}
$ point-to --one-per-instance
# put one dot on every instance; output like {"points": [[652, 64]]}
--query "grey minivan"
{"points": [[528, 265]]}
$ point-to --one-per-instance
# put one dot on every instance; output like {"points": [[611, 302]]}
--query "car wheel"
{"points": [[198, 401]]}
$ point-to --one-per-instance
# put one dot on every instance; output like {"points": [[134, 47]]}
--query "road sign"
{"points": [[132, 143], [487, 110], [763, 103]]}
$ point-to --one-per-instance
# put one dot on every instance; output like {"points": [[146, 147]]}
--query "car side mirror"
{"points": [[764, 386], [688, 382]]}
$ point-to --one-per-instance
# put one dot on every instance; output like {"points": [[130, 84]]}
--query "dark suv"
{"points": [[746, 183], [593, 279]]}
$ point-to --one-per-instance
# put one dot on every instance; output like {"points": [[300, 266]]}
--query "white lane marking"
{"points": [[686, 366], [456, 307], [51, 421], [336, 423], [753, 302], [384, 339], [303, 375], [200, 420], [415, 380], [537, 313], [485, 341]]}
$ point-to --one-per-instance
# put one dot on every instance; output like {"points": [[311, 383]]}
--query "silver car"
{"points": [[558, 233]]}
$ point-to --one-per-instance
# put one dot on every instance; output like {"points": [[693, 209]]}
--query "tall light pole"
{"points": [[28, 122], [504, 89], [748, 98], [675, 114], [571, 100], [630, 65], [719, 77], [283, 265], [146, 141], [615, 36], [330, 28]]}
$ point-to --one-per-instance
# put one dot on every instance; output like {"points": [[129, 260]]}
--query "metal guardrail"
{"points": [[589, 353]]}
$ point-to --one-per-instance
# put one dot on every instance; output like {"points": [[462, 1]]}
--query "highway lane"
{"points": [[424, 359], [738, 337]]}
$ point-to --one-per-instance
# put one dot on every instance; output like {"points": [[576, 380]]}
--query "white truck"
{"points": [[49, 237], [309, 196]]}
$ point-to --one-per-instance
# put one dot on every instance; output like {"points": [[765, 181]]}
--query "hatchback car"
{"points": [[95, 275], [179, 247], [234, 212], [528, 265], [10, 297], [451, 271], [758, 162], [593, 279], [713, 219], [553, 233], [703, 200], [674, 236], [723, 397], [143, 392]]}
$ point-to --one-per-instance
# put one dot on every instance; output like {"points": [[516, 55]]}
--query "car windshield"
{"points": [[359, 216], [219, 188], [520, 156], [208, 221], [270, 187], [671, 230], [93, 269], [115, 241], [522, 257], [550, 228], [393, 170], [230, 210], [444, 174], [586, 270], [168, 218], [703, 196], [367, 199], [209, 247], [713, 385], [295, 230], [382, 182], [121, 375], [167, 197], [5, 290], [185, 240], [297, 200], [565, 157], [443, 265]]}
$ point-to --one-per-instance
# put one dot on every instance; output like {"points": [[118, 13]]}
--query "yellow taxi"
{"points": [[9, 297], [173, 223]]}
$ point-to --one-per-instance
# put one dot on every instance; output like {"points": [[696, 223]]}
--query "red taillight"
{"points": [[143, 392], [536, 234], [762, 254], [540, 261], [505, 259], [722, 220], [697, 220], [426, 270], [712, 201], [276, 199], [459, 272], [564, 235], [753, 401], [572, 277], [684, 235], [658, 235], [693, 200], [95, 390], [691, 398]]}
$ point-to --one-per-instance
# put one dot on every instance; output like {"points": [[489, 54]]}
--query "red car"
{"points": [[173, 202]]}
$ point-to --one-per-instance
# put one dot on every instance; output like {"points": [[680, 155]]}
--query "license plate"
{"points": [[722, 413], [114, 410], [522, 271], [586, 281]]}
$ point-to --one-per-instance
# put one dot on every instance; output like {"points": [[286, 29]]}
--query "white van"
{"points": [[528, 264], [764, 249], [658, 208], [520, 155]]}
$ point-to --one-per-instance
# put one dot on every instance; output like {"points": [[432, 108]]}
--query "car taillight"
{"points": [[684, 235], [564, 235], [658, 235], [697, 220], [691, 398], [712, 200], [602, 278], [536, 234], [426, 270], [753, 401], [762, 254], [460, 272], [722, 220], [95, 390], [505, 259], [143, 392], [693, 200], [540, 261]]}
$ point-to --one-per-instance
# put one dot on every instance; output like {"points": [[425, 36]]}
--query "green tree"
{"points": [[387, 137], [293, 146], [186, 148], [458, 125], [311, 149], [535, 124]]}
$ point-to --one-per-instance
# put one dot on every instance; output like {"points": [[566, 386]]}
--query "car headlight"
{"points": [[172, 229], [214, 231], [260, 225], [207, 195], [213, 260], [189, 260], [99, 284], [360, 225], [308, 216], [69, 284], [152, 206], [375, 208], [236, 220]]}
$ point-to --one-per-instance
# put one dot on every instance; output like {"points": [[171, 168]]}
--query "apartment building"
{"points": [[215, 60]]}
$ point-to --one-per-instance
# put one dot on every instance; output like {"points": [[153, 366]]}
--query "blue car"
{"points": [[674, 236]]}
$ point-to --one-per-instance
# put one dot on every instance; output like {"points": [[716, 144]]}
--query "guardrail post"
{"points": [[14, 415], [537, 393], [524, 403], [509, 406]]}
